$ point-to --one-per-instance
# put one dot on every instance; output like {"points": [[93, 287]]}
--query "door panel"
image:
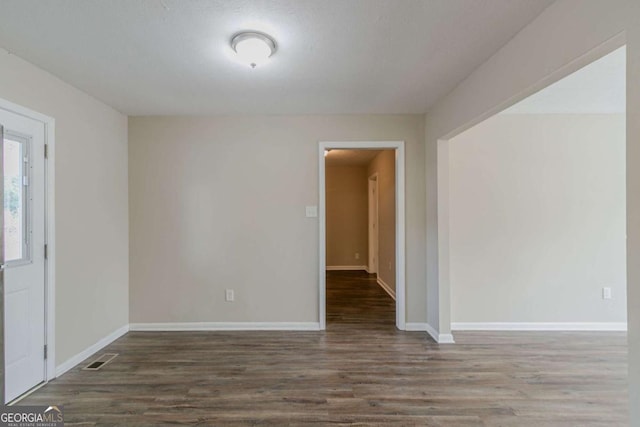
{"points": [[18, 309], [24, 264]]}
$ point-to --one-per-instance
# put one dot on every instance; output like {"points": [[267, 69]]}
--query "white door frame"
{"points": [[49, 215], [374, 235], [398, 146]]}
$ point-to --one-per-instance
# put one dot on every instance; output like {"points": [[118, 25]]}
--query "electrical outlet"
{"points": [[228, 295], [389, 265], [606, 292], [357, 255]]}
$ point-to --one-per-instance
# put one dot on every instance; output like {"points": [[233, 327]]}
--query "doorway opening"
{"points": [[361, 224], [534, 203], [26, 276]]}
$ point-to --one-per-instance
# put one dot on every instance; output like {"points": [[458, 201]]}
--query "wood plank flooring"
{"points": [[361, 371]]}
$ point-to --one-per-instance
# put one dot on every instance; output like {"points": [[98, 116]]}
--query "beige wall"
{"points": [[538, 219], [219, 203], [384, 164], [347, 215], [552, 46], [91, 204]]}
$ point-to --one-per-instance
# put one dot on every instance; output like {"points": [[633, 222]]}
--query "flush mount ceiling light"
{"points": [[253, 48]]}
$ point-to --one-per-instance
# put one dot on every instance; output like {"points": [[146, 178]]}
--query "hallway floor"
{"points": [[360, 371], [355, 300]]}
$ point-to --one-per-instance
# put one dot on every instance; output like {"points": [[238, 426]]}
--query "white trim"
{"points": [[416, 326], [346, 268], [322, 233], [539, 326], [388, 289], [438, 337], [226, 326], [50, 231], [425, 327], [23, 111], [398, 146], [27, 394], [432, 332], [50, 236], [91, 350], [445, 339]]}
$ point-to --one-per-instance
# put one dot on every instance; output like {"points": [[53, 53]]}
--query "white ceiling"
{"points": [[598, 88], [350, 157], [149, 57]]}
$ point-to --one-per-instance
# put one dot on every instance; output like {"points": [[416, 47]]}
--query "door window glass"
{"points": [[15, 198]]}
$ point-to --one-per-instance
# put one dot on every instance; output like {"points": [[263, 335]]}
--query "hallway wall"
{"points": [[384, 164], [347, 216]]}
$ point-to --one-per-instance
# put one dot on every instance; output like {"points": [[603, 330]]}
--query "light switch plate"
{"points": [[312, 211]]}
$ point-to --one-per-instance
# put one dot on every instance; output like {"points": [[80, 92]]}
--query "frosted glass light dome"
{"points": [[253, 48]]}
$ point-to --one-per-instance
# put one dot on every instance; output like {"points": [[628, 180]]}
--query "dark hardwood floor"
{"points": [[361, 371], [356, 301]]}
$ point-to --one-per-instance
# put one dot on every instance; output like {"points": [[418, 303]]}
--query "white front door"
{"points": [[24, 258]]}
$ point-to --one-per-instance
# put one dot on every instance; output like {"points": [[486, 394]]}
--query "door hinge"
{"points": [[46, 251], [45, 351], [46, 151]]}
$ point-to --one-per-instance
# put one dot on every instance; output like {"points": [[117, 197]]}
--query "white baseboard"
{"points": [[438, 337], [89, 351], [388, 289], [425, 327], [346, 267], [414, 326], [539, 326], [226, 326]]}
